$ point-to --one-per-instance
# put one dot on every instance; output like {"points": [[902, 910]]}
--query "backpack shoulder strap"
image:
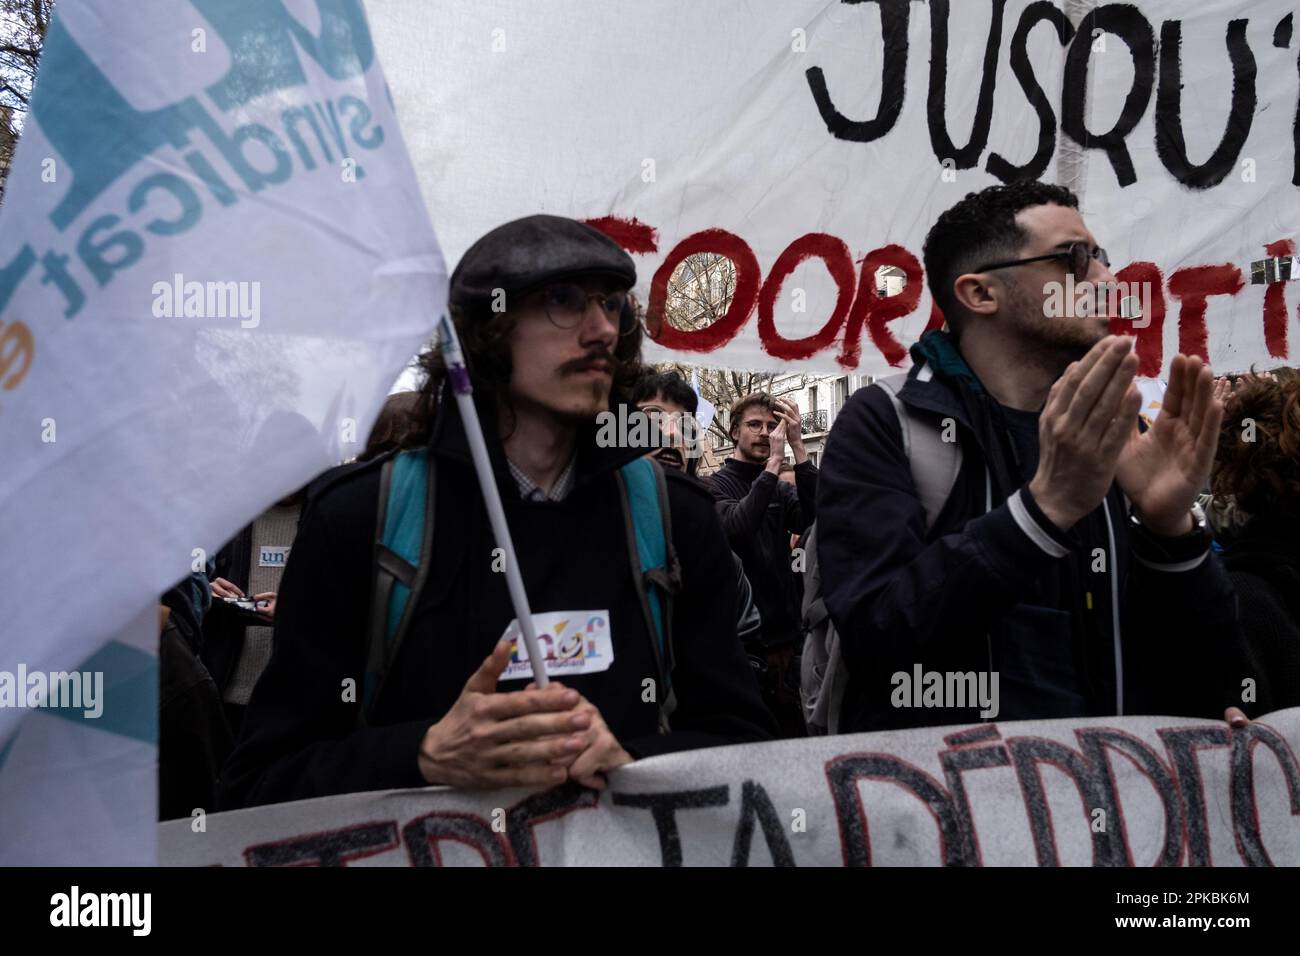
{"points": [[813, 605], [935, 463], [648, 524], [403, 555], [822, 675]]}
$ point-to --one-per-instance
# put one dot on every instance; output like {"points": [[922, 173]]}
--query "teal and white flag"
{"points": [[214, 261]]}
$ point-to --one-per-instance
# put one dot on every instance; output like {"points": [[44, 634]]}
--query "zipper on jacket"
{"points": [[988, 506], [1113, 573]]}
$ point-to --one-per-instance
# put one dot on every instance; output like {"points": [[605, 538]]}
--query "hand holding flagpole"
{"points": [[453, 358]]}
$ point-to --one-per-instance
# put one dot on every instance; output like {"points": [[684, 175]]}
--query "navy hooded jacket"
{"points": [[1104, 619]]}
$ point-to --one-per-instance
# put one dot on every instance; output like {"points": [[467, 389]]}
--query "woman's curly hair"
{"points": [[485, 340], [1263, 474]]}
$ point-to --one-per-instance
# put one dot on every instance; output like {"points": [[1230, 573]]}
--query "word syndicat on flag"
{"points": [[214, 262]]}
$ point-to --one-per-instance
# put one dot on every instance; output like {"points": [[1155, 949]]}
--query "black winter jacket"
{"points": [[1263, 562], [193, 737], [224, 624], [300, 739], [1104, 619], [759, 513]]}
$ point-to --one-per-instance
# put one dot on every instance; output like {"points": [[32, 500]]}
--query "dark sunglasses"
{"points": [[1078, 255], [565, 303]]}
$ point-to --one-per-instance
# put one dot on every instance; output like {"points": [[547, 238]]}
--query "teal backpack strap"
{"points": [[648, 523], [403, 554]]}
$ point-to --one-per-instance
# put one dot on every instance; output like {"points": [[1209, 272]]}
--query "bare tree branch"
{"points": [[23, 24]]}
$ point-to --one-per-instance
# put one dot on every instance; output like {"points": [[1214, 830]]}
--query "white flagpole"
{"points": [[460, 384]]}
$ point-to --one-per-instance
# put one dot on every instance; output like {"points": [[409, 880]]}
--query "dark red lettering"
{"points": [[721, 331], [876, 311], [1193, 285], [1150, 338], [839, 263], [632, 234], [1275, 303]]}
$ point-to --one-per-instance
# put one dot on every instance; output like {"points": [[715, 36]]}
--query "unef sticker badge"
{"points": [[273, 557], [574, 642]]}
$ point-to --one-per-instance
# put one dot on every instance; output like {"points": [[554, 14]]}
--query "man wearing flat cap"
{"points": [[552, 338]]}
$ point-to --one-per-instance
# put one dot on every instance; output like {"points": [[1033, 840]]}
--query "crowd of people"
{"points": [[999, 509]]}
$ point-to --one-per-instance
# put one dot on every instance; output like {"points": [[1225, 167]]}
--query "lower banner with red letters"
{"points": [[1117, 791]]}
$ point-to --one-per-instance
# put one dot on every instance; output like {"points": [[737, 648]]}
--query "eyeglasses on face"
{"points": [[1078, 256], [565, 304]]}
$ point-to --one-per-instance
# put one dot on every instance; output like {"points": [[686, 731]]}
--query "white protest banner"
{"points": [[815, 141], [1153, 395], [213, 264], [1125, 791]]}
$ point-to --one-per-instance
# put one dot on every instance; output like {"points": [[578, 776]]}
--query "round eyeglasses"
{"points": [[565, 304]]}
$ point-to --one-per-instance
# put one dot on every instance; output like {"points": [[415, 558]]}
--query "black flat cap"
{"points": [[532, 251]]}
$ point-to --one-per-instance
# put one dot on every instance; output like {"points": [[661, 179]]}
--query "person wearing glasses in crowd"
{"points": [[552, 338], [760, 513], [1001, 511]]}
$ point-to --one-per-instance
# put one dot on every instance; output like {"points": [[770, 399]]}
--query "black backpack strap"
{"points": [[656, 585], [668, 579], [397, 581]]}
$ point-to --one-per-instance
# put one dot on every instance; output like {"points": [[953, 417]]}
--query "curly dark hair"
{"points": [[1263, 475], [485, 340], [979, 228]]}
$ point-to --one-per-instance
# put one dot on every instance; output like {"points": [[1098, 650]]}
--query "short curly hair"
{"points": [[1263, 474], [980, 227]]}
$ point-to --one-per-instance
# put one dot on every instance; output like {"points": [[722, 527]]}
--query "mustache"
{"points": [[599, 356]]}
